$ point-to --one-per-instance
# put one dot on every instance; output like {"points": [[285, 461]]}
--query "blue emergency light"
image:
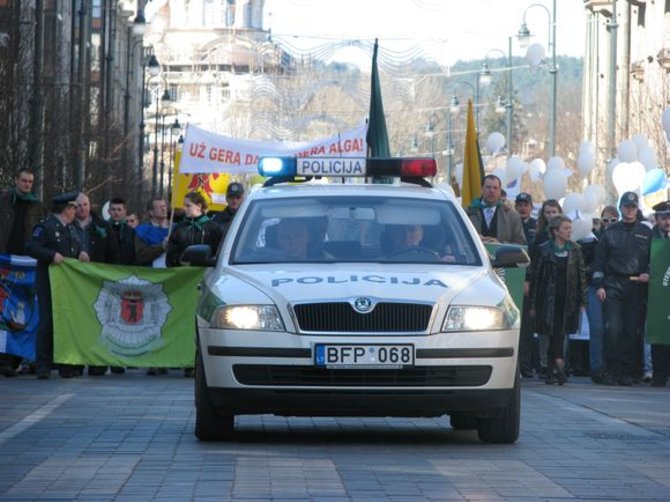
{"points": [[347, 167]]}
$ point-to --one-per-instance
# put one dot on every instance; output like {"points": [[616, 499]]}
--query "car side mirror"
{"points": [[198, 255], [507, 256]]}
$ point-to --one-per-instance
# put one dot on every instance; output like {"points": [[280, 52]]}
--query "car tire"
{"points": [[503, 429], [462, 422], [209, 424]]}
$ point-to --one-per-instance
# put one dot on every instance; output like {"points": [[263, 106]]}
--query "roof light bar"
{"points": [[347, 167]]}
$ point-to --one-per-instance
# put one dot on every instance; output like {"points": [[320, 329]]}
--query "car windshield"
{"points": [[355, 229]]}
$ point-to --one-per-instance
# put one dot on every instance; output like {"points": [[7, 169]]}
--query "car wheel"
{"points": [[505, 428], [461, 422], [209, 424]]}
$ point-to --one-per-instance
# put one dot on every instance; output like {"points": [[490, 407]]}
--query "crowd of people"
{"points": [[603, 277], [70, 229]]}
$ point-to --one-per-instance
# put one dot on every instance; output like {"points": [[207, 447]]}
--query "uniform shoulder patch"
{"points": [[37, 231]]}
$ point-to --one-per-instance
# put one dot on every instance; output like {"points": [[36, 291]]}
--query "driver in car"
{"points": [[402, 236]]}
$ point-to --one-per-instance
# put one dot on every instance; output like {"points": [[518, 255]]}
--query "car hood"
{"points": [[290, 284]]}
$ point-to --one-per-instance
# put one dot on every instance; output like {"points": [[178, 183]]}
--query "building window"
{"points": [[174, 92], [230, 13]]}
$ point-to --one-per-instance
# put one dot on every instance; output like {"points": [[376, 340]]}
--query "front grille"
{"points": [[433, 376], [342, 318]]}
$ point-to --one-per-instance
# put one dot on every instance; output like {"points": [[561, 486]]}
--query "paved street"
{"points": [[129, 437]]}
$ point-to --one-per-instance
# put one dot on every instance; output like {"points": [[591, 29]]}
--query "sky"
{"points": [[447, 30]]}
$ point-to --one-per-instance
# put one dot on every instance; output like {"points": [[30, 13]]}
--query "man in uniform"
{"points": [[660, 353], [53, 239], [620, 276], [494, 220], [20, 211], [234, 199]]}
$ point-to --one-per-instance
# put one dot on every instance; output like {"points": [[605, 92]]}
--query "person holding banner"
{"points": [[97, 239], [557, 292], [660, 352], [53, 239], [195, 228], [20, 211], [620, 276]]}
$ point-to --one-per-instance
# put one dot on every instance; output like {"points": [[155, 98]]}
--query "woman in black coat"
{"points": [[557, 292], [195, 228]]}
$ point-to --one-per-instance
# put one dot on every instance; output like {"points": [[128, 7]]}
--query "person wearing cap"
{"points": [[620, 276], [660, 353], [495, 221], [53, 239], [234, 199], [20, 211], [524, 206]]}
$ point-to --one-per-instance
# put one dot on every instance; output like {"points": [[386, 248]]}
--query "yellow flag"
{"points": [[473, 170], [212, 186]]}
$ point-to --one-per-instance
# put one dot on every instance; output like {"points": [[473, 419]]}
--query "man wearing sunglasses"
{"points": [[620, 276]]}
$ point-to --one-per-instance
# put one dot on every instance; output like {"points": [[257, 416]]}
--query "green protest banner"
{"points": [[512, 277], [113, 315], [658, 304]]}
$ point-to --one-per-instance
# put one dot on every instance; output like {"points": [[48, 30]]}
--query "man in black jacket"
{"points": [[234, 199], [620, 276], [20, 211], [53, 239], [125, 234], [98, 240]]}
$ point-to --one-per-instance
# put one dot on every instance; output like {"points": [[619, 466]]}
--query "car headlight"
{"points": [[476, 318], [247, 317]]}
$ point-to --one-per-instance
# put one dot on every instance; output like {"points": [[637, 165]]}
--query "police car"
{"points": [[355, 299]]}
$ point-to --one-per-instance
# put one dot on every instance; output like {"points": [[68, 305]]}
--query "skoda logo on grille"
{"points": [[363, 304]]}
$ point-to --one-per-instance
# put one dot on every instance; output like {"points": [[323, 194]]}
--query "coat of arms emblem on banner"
{"points": [[132, 312]]}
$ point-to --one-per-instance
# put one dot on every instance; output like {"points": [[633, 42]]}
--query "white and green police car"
{"points": [[355, 299]]}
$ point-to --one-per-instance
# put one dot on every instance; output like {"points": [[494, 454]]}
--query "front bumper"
{"points": [[269, 372]]}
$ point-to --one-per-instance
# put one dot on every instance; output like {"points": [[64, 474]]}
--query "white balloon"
{"points": [[514, 168], [597, 192], [500, 173], [556, 162], [581, 227], [590, 201], [459, 174], [495, 142], [539, 165], [610, 167], [534, 173], [627, 151], [586, 162], [640, 141], [535, 54], [572, 202], [647, 156], [555, 184], [627, 177], [524, 167], [587, 146], [665, 120]]}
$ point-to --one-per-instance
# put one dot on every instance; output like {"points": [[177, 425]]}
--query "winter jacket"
{"points": [[191, 231]]}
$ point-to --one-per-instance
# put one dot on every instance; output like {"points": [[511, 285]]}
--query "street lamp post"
{"points": [[151, 64], [485, 79], [175, 129], [524, 39]]}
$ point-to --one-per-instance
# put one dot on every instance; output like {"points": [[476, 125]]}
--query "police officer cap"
{"points": [[64, 199], [630, 199], [662, 207], [524, 197], [235, 188]]}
